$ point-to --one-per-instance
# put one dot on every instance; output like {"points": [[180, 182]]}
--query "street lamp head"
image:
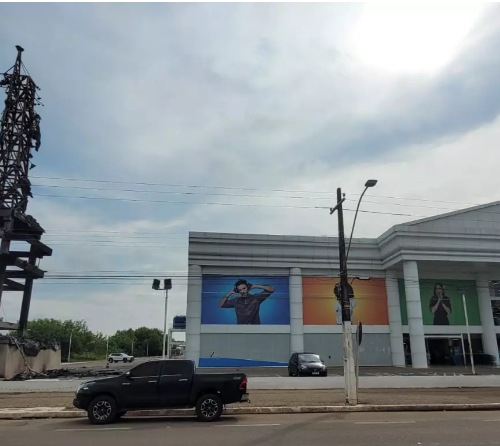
{"points": [[370, 183], [156, 284]]}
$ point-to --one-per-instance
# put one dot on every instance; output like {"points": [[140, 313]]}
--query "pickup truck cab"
{"points": [[161, 384]]}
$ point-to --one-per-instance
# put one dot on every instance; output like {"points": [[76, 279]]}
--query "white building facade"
{"points": [[409, 290]]}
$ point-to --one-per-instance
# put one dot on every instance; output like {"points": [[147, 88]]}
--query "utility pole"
{"points": [[351, 392], [351, 397]]}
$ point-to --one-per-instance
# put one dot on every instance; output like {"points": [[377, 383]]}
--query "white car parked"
{"points": [[117, 357]]}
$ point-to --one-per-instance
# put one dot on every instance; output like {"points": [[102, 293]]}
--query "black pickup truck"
{"points": [[161, 384]]}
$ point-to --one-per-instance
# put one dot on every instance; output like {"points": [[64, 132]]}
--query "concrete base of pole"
{"points": [[351, 394]]}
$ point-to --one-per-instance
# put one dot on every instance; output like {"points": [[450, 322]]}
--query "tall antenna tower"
{"points": [[19, 134]]}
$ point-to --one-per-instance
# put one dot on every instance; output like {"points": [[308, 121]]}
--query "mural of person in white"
{"points": [[338, 303]]}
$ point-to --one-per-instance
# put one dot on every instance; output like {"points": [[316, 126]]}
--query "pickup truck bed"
{"points": [[161, 384]]}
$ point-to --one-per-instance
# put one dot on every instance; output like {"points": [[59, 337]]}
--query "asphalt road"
{"points": [[346, 429], [332, 371]]}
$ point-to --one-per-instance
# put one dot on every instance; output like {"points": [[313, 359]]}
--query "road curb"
{"points": [[16, 414]]}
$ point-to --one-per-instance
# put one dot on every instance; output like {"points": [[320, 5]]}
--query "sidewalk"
{"points": [[295, 398], [290, 383]]}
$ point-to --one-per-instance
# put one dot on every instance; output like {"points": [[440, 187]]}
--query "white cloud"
{"points": [[266, 96], [412, 37]]}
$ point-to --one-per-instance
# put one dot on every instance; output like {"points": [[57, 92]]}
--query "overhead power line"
{"points": [[138, 200], [208, 203], [219, 194], [197, 186]]}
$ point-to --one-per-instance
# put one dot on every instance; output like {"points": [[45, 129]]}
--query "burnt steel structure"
{"points": [[19, 134]]}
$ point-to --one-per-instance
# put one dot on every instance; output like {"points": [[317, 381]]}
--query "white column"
{"points": [[394, 307], [296, 317], [489, 333], [415, 322], [193, 313]]}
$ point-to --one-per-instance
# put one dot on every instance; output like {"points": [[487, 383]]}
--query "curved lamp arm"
{"points": [[368, 184]]}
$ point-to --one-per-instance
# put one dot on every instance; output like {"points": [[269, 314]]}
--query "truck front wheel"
{"points": [[209, 407], [102, 410]]}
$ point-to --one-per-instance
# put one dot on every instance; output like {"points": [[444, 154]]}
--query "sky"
{"points": [[160, 119]]}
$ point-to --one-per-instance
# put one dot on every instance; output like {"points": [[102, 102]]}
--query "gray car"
{"points": [[301, 364]]}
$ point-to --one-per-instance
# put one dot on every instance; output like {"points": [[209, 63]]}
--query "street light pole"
{"points": [[167, 285], [468, 335], [69, 347], [351, 397], [165, 324]]}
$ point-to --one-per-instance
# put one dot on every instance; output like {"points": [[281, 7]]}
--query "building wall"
{"points": [[406, 261], [273, 343], [375, 348], [254, 346]]}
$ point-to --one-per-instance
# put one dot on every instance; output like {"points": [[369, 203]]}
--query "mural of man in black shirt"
{"points": [[246, 305]]}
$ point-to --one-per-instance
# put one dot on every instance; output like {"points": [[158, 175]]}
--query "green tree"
{"points": [[146, 341], [84, 343], [149, 341], [88, 345], [121, 341]]}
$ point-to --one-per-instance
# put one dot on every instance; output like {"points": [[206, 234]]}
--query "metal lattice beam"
{"points": [[19, 133]]}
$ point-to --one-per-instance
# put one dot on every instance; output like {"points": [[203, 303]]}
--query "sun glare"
{"points": [[412, 37]]}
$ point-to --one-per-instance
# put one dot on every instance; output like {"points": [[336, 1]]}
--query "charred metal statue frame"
{"points": [[19, 134]]}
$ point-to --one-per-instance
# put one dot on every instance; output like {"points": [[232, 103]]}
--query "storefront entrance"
{"points": [[445, 350]]}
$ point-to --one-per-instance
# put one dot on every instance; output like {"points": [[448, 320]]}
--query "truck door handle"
{"points": [[153, 381], [184, 379], [125, 384]]}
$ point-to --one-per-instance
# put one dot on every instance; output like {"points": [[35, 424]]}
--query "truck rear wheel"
{"points": [[102, 410], [209, 407]]}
